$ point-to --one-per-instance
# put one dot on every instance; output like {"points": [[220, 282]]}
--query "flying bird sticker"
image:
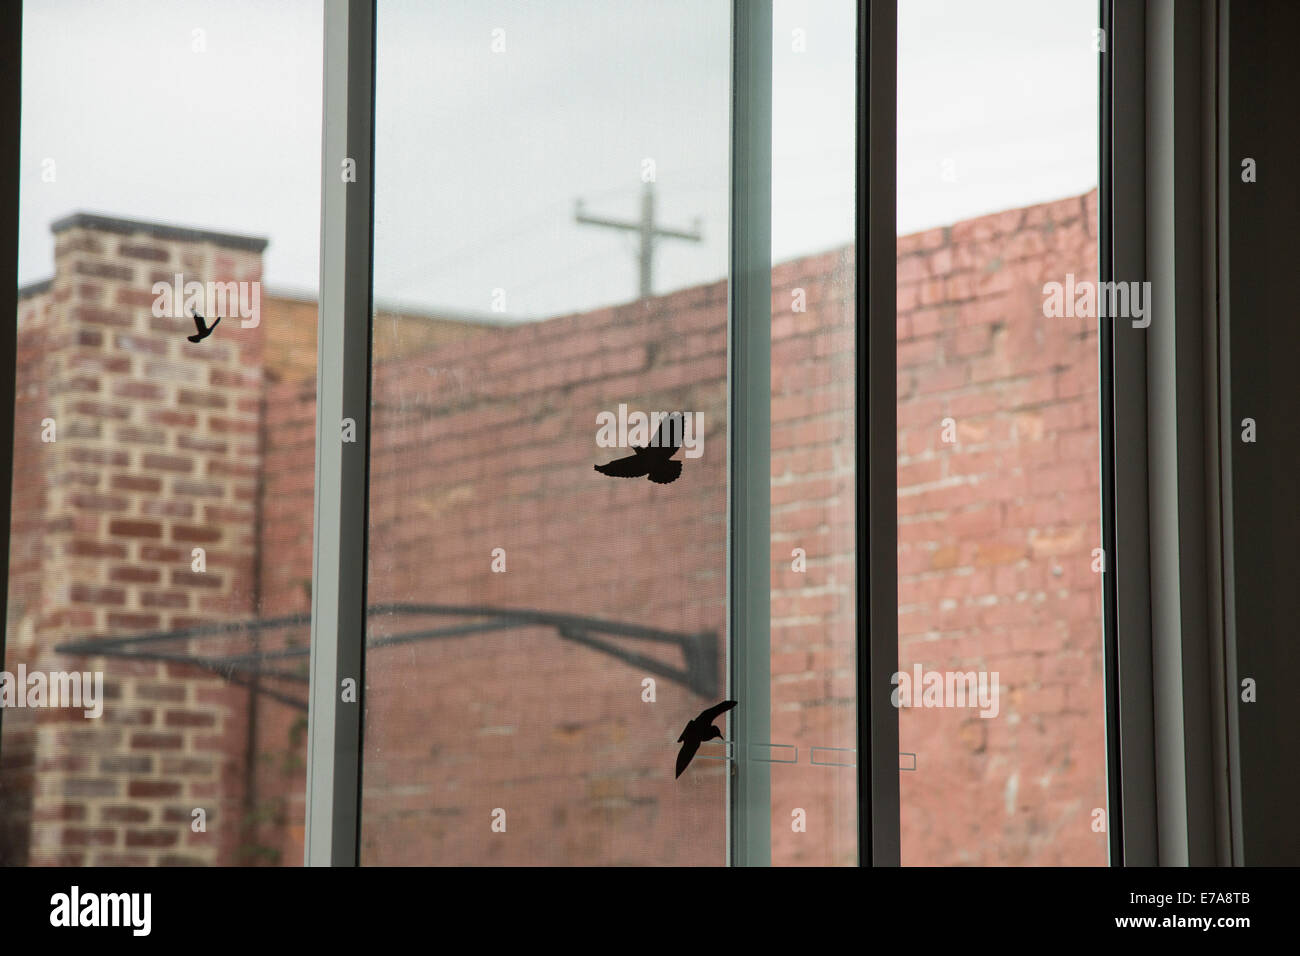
{"points": [[204, 329], [654, 461], [698, 731]]}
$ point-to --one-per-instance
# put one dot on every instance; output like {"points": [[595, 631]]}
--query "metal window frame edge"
{"points": [[1126, 598], [11, 98], [339, 553], [749, 446], [1221, 276], [1168, 743], [876, 425]]}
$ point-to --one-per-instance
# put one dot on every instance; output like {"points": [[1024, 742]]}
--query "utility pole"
{"points": [[649, 233]]}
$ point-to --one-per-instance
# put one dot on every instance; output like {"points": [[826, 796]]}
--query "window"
{"points": [[999, 564], [159, 587], [545, 227], [547, 276]]}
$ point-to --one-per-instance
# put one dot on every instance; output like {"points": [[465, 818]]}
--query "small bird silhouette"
{"points": [[654, 461], [699, 730], [204, 329]]}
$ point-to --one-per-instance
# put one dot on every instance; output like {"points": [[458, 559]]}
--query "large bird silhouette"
{"points": [[204, 329], [699, 730], [655, 461]]}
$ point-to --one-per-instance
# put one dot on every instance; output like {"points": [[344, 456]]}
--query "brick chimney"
{"points": [[155, 453]]}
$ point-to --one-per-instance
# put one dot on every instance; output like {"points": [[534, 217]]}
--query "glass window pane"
{"points": [[814, 683], [162, 500], [550, 260], [1000, 637]]}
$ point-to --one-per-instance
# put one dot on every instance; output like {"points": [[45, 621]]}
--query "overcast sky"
{"points": [[480, 155]]}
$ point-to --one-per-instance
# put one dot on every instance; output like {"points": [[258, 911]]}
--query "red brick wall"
{"points": [[157, 452], [31, 482], [285, 542], [995, 538], [488, 442]]}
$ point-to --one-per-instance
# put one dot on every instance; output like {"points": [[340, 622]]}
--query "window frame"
{"points": [[1171, 730], [11, 97], [339, 547], [1158, 56], [749, 435], [336, 732], [876, 422]]}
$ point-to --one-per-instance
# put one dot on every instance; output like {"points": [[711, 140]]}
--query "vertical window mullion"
{"points": [[1131, 785], [749, 539], [11, 50], [876, 513], [339, 544]]}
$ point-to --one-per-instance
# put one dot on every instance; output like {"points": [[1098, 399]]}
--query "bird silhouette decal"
{"points": [[699, 730], [204, 329], [655, 461]]}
